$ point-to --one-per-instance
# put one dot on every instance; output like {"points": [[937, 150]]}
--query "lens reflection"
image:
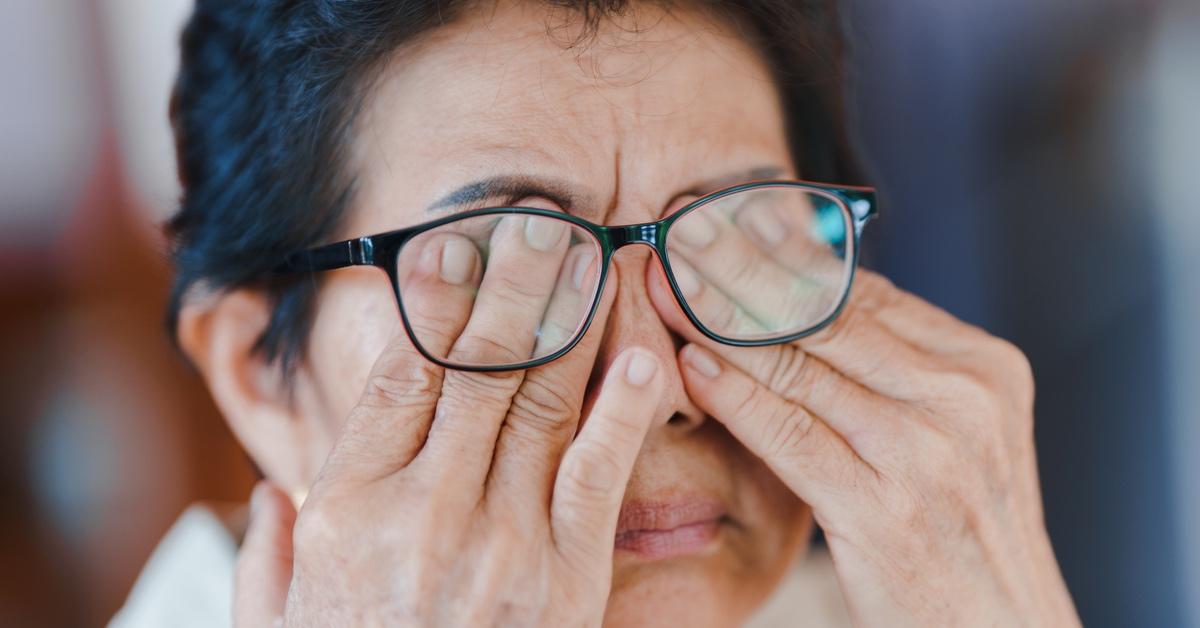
{"points": [[763, 263], [498, 290]]}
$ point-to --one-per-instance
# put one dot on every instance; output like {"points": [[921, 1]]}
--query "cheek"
{"points": [[355, 317]]}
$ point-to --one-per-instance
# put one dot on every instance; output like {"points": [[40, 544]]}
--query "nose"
{"points": [[633, 321]]}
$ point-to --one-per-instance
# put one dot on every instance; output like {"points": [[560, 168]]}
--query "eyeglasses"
{"points": [[508, 288]]}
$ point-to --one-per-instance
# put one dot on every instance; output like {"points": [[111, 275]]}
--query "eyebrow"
{"points": [[758, 173], [512, 188]]}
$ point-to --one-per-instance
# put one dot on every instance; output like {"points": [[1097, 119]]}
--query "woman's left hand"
{"points": [[910, 434]]}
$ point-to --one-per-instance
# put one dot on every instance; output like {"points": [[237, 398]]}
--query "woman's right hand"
{"points": [[455, 498]]}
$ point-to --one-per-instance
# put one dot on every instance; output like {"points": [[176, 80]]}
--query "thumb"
{"points": [[264, 564]]}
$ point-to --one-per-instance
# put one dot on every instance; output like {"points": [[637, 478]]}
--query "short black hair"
{"points": [[268, 90]]}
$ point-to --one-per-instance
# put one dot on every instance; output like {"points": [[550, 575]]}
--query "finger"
{"points": [[574, 292], [858, 414], [859, 347], [854, 344], [730, 263], [866, 420], [913, 319], [716, 311], [264, 564], [525, 260], [757, 254], [438, 274], [962, 347], [671, 312], [591, 481], [785, 226], [544, 414], [388, 427], [809, 456]]}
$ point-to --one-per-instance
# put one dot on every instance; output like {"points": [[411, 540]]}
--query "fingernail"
{"points": [[458, 257], [695, 230], [685, 278], [641, 368], [766, 225], [543, 233], [583, 260], [702, 361]]}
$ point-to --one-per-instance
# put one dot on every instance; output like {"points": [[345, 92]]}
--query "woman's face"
{"points": [[632, 123]]}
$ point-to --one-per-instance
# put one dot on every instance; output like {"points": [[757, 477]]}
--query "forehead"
{"points": [[650, 104]]}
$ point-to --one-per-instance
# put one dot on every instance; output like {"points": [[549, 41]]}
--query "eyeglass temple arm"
{"points": [[356, 252]]}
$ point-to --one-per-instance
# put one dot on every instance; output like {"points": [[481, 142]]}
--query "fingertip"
{"points": [[700, 361], [662, 297], [641, 367], [612, 278], [660, 291]]}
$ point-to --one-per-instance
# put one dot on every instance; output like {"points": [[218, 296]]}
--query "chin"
{"points": [[701, 584], [676, 592]]}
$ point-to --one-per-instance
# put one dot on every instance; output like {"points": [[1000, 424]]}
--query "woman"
{"points": [[547, 435]]}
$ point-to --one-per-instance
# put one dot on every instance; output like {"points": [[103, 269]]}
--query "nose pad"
{"points": [[633, 321]]}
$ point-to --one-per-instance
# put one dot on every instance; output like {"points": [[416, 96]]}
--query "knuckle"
{"points": [[627, 427], [873, 289], [517, 292], [477, 388], [475, 347], [789, 434], [509, 529], [839, 330], [784, 431], [1019, 372], [317, 525], [795, 370], [870, 281], [544, 405], [596, 474], [788, 369], [963, 390], [410, 386], [1012, 357]]}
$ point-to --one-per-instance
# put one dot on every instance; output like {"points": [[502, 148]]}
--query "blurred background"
{"points": [[1037, 160]]}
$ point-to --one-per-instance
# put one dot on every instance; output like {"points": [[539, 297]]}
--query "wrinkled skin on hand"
{"points": [[910, 434]]}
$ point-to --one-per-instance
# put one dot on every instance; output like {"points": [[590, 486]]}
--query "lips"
{"points": [[668, 528]]}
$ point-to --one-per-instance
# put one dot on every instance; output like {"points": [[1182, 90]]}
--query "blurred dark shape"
{"points": [[1008, 143]]}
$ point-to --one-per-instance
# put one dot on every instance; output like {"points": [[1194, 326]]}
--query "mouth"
{"points": [[656, 530]]}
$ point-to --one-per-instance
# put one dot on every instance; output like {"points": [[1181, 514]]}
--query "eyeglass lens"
{"points": [[498, 289], [507, 289], [763, 263]]}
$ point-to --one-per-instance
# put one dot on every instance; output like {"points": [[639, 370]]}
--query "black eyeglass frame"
{"points": [[382, 249]]}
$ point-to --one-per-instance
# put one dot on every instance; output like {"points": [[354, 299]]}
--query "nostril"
{"points": [[685, 419]]}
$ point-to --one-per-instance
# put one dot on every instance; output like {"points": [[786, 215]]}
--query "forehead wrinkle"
{"points": [[629, 138]]}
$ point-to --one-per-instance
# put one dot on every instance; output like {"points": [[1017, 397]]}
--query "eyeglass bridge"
{"points": [[647, 233]]}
